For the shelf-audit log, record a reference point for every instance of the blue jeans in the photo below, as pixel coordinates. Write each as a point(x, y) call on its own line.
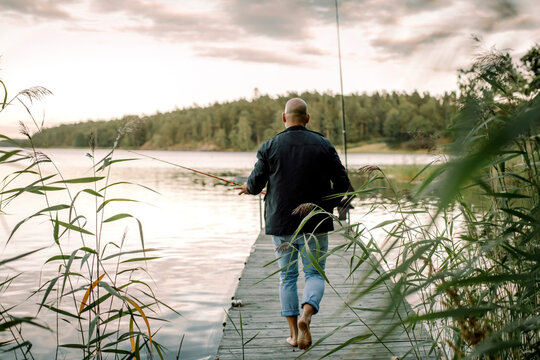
point(288, 261)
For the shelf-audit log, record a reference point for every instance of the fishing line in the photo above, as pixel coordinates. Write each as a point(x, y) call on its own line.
point(189, 169)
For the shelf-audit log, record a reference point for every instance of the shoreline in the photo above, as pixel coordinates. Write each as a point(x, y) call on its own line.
point(372, 148)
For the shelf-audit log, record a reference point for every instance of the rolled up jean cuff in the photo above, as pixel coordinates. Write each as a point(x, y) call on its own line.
point(313, 304)
point(290, 313)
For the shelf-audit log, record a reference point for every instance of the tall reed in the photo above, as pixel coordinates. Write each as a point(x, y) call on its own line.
point(467, 267)
point(99, 293)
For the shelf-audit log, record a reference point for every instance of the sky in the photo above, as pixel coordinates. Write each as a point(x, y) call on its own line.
point(104, 59)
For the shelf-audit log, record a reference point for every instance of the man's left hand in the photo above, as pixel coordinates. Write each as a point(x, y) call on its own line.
point(243, 189)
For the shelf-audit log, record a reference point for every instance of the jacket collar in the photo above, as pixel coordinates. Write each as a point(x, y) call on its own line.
point(295, 127)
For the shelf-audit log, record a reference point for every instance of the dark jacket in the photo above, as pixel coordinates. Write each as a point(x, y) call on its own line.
point(298, 166)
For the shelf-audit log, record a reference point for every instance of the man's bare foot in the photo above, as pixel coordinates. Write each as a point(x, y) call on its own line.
point(304, 335)
point(292, 341)
point(293, 330)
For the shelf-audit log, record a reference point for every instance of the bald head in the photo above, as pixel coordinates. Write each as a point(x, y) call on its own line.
point(295, 113)
point(296, 106)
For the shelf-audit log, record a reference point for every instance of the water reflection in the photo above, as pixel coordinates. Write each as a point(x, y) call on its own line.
point(203, 229)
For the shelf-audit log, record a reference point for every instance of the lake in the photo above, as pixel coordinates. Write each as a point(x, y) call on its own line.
point(203, 229)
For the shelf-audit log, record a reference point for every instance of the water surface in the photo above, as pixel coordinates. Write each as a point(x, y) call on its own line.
point(203, 229)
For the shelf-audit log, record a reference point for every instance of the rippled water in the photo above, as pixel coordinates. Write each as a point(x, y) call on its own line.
point(203, 229)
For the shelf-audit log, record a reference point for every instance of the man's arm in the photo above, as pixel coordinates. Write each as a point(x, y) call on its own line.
point(338, 176)
point(258, 178)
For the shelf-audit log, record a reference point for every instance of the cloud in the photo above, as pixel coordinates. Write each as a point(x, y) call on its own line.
point(38, 9)
point(236, 20)
point(231, 30)
point(243, 29)
point(164, 21)
point(383, 12)
point(311, 50)
point(523, 22)
point(277, 19)
point(391, 12)
point(283, 20)
point(504, 9)
point(405, 46)
point(251, 55)
point(411, 27)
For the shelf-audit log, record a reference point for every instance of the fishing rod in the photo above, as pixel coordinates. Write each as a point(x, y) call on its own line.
point(344, 212)
point(189, 169)
point(341, 83)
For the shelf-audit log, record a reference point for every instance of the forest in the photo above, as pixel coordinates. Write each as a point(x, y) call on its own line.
point(412, 121)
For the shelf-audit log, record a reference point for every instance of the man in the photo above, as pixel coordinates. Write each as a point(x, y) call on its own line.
point(298, 166)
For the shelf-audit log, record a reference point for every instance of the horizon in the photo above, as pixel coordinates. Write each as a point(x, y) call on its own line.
point(104, 60)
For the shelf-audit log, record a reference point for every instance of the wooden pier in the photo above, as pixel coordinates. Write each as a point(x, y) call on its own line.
point(260, 312)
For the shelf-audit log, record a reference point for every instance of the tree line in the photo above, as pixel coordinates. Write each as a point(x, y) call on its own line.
point(409, 120)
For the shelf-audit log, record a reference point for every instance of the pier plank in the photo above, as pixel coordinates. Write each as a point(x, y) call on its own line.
point(260, 313)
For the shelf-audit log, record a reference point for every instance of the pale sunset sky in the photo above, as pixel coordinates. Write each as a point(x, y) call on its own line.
point(103, 59)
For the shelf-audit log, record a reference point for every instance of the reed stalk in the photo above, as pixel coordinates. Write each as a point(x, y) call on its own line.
point(465, 268)
point(106, 306)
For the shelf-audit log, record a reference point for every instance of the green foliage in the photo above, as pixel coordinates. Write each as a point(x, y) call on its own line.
point(5, 97)
point(240, 331)
point(470, 273)
point(398, 118)
point(531, 62)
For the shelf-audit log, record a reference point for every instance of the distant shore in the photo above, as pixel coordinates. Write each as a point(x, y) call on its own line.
point(367, 148)
point(381, 148)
